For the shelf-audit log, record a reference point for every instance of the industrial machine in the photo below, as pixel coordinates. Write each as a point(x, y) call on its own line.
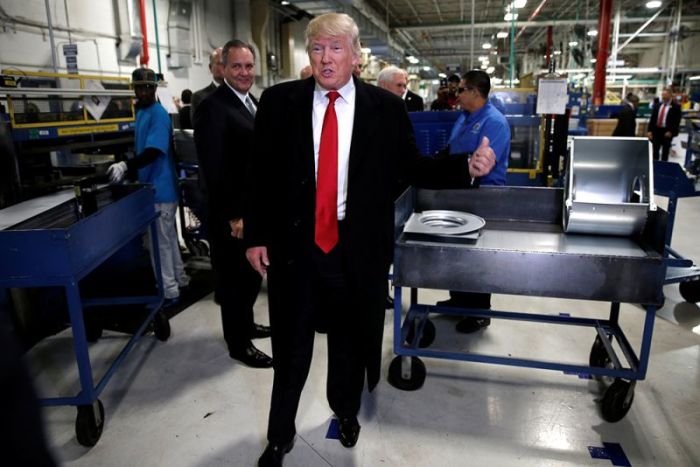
point(610, 248)
point(61, 128)
point(432, 130)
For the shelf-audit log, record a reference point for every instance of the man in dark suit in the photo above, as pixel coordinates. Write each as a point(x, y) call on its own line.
point(395, 80)
point(664, 124)
point(414, 102)
point(329, 153)
point(216, 68)
point(224, 139)
point(627, 117)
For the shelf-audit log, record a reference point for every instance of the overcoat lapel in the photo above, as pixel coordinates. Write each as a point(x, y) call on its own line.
point(365, 123)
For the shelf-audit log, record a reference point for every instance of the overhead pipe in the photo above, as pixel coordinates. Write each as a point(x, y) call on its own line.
point(144, 34)
point(603, 45)
point(51, 40)
point(550, 43)
point(155, 27)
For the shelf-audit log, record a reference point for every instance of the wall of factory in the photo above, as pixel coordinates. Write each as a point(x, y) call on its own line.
point(94, 27)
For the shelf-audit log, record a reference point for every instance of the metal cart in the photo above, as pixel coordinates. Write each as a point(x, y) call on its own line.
point(62, 246)
point(671, 181)
point(523, 251)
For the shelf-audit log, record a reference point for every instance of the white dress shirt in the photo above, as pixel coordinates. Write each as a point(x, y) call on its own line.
point(345, 112)
point(241, 96)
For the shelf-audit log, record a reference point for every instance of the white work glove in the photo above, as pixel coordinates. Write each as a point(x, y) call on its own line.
point(116, 172)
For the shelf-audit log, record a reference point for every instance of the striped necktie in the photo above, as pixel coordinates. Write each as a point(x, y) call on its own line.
point(249, 105)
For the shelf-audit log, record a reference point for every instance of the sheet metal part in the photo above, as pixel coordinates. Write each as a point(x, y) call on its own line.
point(443, 222)
point(524, 251)
point(609, 186)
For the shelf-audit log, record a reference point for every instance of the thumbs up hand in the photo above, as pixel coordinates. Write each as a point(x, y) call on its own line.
point(483, 159)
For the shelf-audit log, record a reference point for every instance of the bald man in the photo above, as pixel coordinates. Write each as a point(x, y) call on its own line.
point(216, 68)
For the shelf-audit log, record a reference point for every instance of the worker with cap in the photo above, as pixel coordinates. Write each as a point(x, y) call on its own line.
point(155, 166)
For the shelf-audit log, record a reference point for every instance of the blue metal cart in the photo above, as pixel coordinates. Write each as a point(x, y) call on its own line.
point(671, 181)
point(523, 251)
point(60, 247)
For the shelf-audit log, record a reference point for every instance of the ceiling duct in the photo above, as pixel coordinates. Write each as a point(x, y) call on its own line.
point(179, 33)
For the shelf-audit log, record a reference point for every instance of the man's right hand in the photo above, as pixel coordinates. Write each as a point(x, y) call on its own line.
point(257, 257)
point(650, 135)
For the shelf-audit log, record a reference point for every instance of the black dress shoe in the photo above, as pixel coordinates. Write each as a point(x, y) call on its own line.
point(273, 454)
point(469, 324)
point(259, 331)
point(251, 356)
point(389, 303)
point(349, 431)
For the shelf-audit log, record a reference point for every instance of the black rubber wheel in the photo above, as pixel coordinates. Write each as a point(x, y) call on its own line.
point(93, 328)
point(613, 405)
point(599, 356)
point(426, 338)
point(161, 326)
point(88, 428)
point(407, 384)
point(197, 248)
point(690, 290)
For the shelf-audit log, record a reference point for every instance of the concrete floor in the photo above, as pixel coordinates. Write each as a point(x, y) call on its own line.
point(186, 403)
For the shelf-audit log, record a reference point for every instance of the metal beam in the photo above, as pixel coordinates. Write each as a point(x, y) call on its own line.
point(636, 33)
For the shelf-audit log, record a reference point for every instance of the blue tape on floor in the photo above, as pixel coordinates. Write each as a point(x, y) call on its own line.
point(612, 451)
point(333, 432)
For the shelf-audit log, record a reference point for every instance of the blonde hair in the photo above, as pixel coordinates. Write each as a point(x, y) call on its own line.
point(334, 25)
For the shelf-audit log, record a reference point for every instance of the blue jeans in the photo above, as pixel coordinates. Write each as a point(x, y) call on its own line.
point(171, 267)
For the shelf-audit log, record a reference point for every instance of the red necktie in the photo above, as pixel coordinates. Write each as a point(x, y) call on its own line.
point(662, 114)
point(326, 233)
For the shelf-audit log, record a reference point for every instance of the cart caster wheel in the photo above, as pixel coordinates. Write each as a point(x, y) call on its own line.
point(426, 338)
point(93, 329)
point(690, 290)
point(599, 356)
point(615, 403)
point(198, 248)
point(414, 378)
point(88, 424)
point(161, 326)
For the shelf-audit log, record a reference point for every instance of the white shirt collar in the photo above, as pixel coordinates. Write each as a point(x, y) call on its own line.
point(242, 97)
point(345, 91)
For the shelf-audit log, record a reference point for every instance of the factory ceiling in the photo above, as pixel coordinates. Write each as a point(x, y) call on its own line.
point(441, 34)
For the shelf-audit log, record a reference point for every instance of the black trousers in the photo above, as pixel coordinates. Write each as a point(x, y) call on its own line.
point(323, 296)
point(659, 141)
point(237, 288)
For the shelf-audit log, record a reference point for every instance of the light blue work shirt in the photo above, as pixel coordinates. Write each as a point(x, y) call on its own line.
point(154, 130)
point(468, 131)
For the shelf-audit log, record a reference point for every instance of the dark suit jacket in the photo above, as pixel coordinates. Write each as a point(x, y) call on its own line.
point(626, 121)
point(199, 96)
point(673, 119)
point(223, 135)
point(414, 102)
point(281, 196)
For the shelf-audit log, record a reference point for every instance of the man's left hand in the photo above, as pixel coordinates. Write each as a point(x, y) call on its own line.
point(483, 160)
point(668, 134)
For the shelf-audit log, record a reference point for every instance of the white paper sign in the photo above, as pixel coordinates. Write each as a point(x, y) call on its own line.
point(552, 96)
point(95, 105)
point(166, 99)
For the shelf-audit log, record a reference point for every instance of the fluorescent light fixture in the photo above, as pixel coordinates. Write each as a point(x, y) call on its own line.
point(653, 4)
point(519, 3)
point(694, 78)
point(573, 43)
point(442, 75)
point(497, 80)
point(366, 50)
point(510, 17)
point(426, 68)
point(484, 66)
point(593, 60)
point(501, 35)
point(592, 32)
point(490, 70)
point(284, 2)
point(486, 45)
point(483, 58)
point(557, 52)
point(618, 77)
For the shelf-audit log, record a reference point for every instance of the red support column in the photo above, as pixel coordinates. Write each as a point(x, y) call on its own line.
point(144, 30)
point(602, 58)
point(550, 42)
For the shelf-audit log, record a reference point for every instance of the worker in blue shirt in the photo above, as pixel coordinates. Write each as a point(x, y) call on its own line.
point(155, 166)
point(479, 118)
